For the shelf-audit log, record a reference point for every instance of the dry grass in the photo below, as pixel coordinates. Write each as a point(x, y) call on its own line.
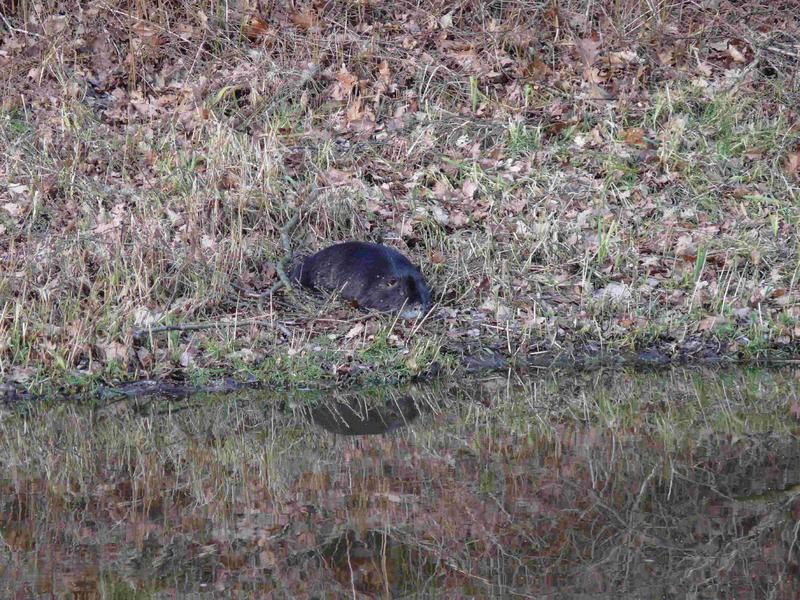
point(630, 189)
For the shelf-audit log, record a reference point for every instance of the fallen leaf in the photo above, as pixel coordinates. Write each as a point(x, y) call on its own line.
point(502, 313)
point(356, 330)
point(345, 82)
point(255, 28)
point(710, 323)
point(614, 292)
point(588, 50)
point(623, 57)
point(405, 229)
point(469, 188)
point(305, 19)
point(113, 351)
point(145, 357)
point(187, 357)
point(18, 189)
point(268, 559)
point(665, 56)
point(458, 218)
point(685, 248)
point(13, 208)
point(147, 34)
point(704, 68)
point(440, 215)
point(634, 136)
point(21, 374)
point(719, 46)
point(735, 54)
point(335, 177)
point(54, 25)
point(793, 164)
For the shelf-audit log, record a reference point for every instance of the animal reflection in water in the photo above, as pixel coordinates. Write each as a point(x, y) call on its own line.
point(355, 417)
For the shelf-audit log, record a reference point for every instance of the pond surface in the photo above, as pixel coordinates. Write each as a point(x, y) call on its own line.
point(609, 483)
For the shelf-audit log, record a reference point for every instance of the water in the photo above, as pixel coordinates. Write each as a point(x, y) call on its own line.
point(609, 484)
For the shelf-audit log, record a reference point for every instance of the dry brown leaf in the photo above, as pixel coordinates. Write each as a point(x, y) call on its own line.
point(356, 330)
point(634, 136)
point(384, 71)
point(255, 28)
point(113, 351)
point(710, 323)
point(268, 559)
point(55, 25)
point(305, 19)
point(147, 34)
point(469, 188)
point(440, 215)
point(18, 189)
point(686, 248)
point(458, 218)
point(335, 177)
point(145, 357)
point(345, 82)
point(502, 313)
point(14, 209)
point(793, 164)
point(588, 49)
point(21, 374)
point(405, 229)
point(735, 54)
point(623, 57)
point(614, 292)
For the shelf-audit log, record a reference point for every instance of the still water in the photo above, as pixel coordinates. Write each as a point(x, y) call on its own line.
point(666, 484)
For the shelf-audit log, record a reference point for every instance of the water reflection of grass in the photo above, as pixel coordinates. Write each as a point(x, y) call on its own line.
point(592, 482)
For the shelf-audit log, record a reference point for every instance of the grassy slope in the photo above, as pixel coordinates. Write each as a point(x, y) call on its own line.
point(597, 175)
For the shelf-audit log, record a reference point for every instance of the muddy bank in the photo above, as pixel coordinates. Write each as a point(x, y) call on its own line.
point(454, 360)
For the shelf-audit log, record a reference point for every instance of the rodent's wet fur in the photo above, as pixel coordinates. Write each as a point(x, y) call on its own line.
point(373, 275)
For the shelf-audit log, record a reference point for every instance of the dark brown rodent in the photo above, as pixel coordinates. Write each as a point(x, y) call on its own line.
point(373, 275)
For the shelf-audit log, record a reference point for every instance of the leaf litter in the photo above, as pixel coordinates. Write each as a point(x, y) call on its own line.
point(560, 172)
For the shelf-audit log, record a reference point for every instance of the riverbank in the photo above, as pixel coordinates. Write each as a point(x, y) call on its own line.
point(573, 184)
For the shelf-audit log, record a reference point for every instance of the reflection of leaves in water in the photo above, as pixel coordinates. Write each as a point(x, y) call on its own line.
point(582, 483)
point(375, 563)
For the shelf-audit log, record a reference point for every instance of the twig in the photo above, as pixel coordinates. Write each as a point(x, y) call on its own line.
point(140, 333)
point(286, 244)
point(13, 29)
point(283, 263)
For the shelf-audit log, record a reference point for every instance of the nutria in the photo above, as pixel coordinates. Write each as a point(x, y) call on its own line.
point(373, 275)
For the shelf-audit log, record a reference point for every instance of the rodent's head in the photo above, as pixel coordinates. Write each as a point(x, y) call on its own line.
point(395, 285)
point(399, 288)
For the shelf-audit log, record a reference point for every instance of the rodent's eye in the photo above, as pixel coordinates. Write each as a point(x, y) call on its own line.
point(391, 282)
